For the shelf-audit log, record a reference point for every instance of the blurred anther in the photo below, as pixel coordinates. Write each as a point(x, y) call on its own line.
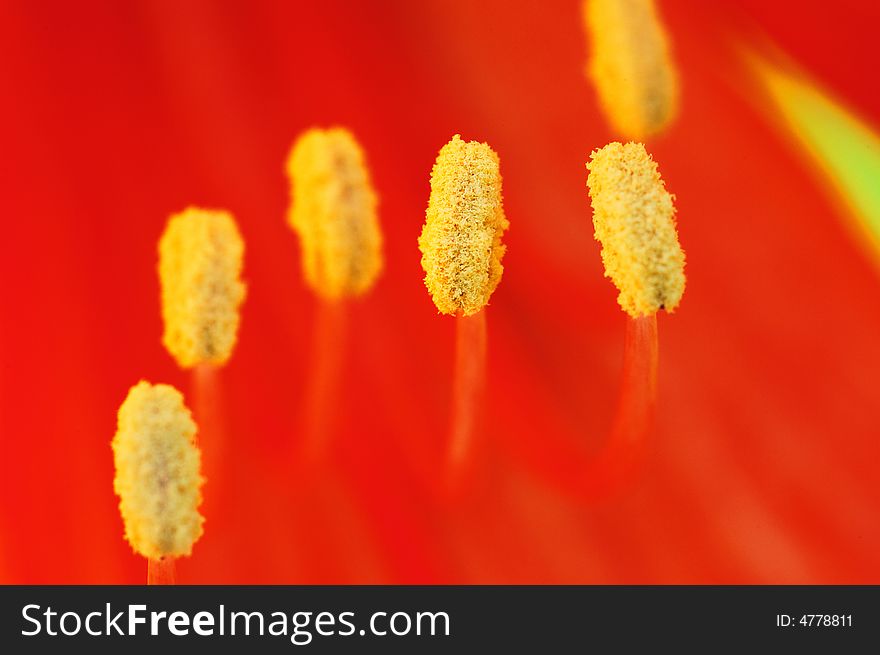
point(631, 66)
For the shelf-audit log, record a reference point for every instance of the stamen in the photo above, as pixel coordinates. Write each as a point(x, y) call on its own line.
point(158, 477)
point(200, 262)
point(631, 66)
point(634, 219)
point(461, 240)
point(333, 210)
point(461, 256)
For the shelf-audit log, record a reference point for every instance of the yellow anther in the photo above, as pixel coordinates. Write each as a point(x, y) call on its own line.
point(157, 472)
point(333, 210)
point(200, 262)
point(461, 240)
point(631, 66)
point(634, 219)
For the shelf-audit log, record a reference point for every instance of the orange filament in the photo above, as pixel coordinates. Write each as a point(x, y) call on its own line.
point(635, 409)
point(218, 457)
point(206, 402)
point(161, 571)
point(325, 376)
point(208, 412)
point(468, 387)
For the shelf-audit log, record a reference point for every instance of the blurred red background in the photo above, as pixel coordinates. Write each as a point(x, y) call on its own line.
point(763, 464)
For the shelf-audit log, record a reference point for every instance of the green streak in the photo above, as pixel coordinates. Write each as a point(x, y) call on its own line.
point(846, 147)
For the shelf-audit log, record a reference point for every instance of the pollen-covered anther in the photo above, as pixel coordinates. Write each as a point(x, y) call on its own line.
point(158, 477)
point(333, 210)
point(634, 220)
point(461, 239)
point(631, 66)
point(200, 263)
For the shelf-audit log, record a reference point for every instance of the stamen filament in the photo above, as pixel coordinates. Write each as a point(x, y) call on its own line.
point(161, 571)
point(204, 387)
point(331, 330)
point(635, 409)
point(207, 399)
point(468, 386)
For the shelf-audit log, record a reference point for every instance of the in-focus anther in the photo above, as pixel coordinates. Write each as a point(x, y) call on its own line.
point(634, 220)
point(461, 239)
